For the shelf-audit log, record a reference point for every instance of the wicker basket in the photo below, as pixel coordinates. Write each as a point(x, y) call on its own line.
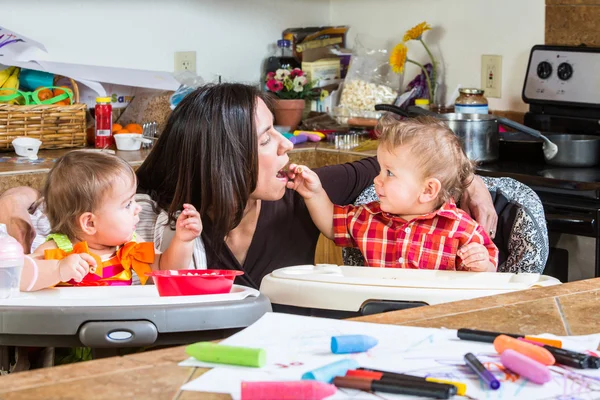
point(56, 126)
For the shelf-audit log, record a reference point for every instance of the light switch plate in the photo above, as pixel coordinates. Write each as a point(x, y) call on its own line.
point(491, 75)
point(185, 61)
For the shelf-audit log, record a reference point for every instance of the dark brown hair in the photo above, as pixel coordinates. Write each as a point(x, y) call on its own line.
point(436, 148)
point(77, 184)
point(207, 156)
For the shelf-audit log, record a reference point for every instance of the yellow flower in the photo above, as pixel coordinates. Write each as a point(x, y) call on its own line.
point(416, 31)
point(398, 58)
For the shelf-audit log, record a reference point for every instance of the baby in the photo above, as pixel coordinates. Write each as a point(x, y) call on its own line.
point(415, 223)
point(89, 200)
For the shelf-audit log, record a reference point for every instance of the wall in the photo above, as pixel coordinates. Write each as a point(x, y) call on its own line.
point(231, 37)
point(463, 31)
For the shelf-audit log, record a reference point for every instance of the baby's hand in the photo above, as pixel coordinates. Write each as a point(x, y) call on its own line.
point(189, 224)
point(475, 257)
point(75, 266)
point(304, 181)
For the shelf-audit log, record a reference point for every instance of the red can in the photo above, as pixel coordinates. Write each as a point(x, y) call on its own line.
point(103, 113)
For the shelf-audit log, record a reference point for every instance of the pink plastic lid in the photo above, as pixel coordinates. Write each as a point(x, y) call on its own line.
point(10, 248)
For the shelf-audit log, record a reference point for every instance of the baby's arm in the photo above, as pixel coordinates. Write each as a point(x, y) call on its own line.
point(320, 207)
point(179, 253)
point(477, 256)
point(40, 274)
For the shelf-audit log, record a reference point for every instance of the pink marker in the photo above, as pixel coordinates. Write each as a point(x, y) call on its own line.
point(526, 367)
point(292, 390)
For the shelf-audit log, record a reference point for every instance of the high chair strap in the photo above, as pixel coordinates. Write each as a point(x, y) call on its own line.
point(62, 241)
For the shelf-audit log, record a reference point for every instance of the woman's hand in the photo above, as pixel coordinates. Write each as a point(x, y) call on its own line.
point(304, 181)
point(476, 258)
point(477, 202)
point(189, 224)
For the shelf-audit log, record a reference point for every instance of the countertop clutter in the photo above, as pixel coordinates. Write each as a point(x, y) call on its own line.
point(561, 310)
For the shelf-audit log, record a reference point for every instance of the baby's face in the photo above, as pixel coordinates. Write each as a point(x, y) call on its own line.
point(399, 183)
point(117, 216)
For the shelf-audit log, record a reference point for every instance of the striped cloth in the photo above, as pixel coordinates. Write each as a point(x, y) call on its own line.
point(427, 242)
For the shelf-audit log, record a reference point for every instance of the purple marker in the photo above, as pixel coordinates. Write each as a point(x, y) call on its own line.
point(481, 371)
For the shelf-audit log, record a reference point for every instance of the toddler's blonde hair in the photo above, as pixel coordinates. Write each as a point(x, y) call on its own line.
point(436, 149)
point(78, 183)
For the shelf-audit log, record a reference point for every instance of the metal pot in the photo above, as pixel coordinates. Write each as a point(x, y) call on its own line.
point(477, 132)
point(480, 137)
point(575, 150)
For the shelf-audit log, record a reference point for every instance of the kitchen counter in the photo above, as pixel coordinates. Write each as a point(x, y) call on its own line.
point(567, 309)
point(18, 171)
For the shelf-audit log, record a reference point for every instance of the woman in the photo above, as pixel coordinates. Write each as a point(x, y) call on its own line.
point(221, 153)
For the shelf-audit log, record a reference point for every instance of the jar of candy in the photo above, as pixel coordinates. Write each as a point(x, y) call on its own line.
point(103, 114)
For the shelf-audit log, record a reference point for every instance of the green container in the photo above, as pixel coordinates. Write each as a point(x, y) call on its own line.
point(221, 354)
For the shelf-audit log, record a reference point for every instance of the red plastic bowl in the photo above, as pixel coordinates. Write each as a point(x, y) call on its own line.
point(192, 282)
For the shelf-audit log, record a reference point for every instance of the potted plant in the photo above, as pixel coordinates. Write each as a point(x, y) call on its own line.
point(291, 88)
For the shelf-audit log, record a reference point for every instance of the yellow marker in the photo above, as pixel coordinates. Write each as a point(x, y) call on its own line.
point(461, 388)
point(549, 342)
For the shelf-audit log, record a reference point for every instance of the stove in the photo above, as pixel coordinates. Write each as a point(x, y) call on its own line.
point(562, 88)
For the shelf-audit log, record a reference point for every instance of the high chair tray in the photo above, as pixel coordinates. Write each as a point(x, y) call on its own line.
point(122, 316)
point(332, 287)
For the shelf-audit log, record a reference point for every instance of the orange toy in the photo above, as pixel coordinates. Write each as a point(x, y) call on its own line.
point(134, 128)
point(45, 94)
point(57, 92)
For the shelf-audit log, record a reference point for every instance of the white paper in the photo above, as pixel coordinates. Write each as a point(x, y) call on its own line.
point(295, 345)
point(14, 46)
point(20, 51)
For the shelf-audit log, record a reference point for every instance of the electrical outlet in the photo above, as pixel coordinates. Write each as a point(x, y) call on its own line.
point(491, 75)
point(185, 61)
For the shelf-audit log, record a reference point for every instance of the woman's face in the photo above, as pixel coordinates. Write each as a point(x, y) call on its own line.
point(272, 156)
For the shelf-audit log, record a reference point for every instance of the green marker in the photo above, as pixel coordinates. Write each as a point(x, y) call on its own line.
point(220, 354)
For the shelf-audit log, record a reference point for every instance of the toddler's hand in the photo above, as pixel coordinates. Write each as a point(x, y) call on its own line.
point(304, 181)
point(475, 257)
point(189, 224)
point(75, 266)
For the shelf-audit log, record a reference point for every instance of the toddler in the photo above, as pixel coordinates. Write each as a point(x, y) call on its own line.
point(89, 201)
point(415, 223)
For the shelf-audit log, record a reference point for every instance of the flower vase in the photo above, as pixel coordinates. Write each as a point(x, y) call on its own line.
point(288, 112)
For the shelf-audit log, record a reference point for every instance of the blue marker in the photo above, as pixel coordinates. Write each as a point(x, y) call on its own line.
point(327, 372)
point(481, 371)
point(352, 343)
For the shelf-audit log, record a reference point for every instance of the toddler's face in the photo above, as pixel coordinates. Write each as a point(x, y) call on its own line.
point(118, 215)
point(399, 184)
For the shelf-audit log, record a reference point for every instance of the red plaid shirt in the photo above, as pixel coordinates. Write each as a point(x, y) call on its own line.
point(427, 242)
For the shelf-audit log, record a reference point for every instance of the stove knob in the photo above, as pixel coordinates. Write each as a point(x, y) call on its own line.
point(544, 69)
point(564, 71)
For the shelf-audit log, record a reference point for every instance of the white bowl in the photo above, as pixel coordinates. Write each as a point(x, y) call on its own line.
point(26, 146)
point(130, 141)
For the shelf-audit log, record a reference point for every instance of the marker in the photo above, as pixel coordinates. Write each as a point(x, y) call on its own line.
point(461, 388)
point(293, 390)
point(540, 354)
point(422, 389)
point(481, 371)
point(327, 372)
point(221, 354)
point(525, 366)
point(351, 343)
point(489, 337)
point(573, 358)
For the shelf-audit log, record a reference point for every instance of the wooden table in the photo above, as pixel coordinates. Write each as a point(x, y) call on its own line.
point(568, 309)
